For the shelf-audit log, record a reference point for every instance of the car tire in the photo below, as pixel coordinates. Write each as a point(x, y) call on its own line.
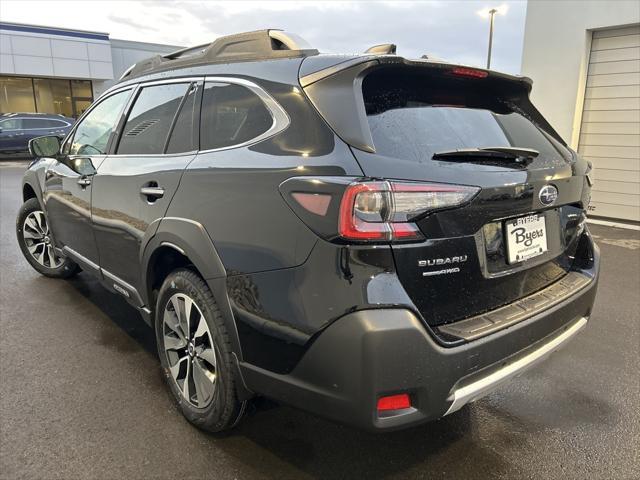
point(195, 353)
point(36, 243)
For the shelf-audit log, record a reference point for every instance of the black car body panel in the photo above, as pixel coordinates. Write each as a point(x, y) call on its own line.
point(371, 353)
point(16, 129)
point(318, 320)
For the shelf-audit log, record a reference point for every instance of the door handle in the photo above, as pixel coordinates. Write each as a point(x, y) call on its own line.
point(153, 192)
point(84, 182)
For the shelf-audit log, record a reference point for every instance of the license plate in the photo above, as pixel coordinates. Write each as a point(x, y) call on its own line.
point(526, 237)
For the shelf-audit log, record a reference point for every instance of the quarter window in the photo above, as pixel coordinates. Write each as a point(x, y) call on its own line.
point(149, 122)
point(231, 115)
point(93, 133)
point(11, 124)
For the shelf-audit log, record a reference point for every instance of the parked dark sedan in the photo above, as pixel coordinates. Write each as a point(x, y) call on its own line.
point(16, 129)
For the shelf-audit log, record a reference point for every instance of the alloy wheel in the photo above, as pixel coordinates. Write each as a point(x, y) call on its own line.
point(190, 350)
point(37, 238)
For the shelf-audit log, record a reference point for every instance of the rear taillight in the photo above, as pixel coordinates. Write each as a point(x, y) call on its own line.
point(469, 72)
point(384, 210)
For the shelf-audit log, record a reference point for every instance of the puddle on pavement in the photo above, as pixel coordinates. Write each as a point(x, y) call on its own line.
point(629, 243)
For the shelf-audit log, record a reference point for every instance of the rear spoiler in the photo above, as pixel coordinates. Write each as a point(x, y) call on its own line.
point(335, 89)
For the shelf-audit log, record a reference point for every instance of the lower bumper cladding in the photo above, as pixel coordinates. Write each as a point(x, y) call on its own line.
point(486, 384)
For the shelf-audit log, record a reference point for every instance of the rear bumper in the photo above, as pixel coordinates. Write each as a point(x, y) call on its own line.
point(489, 381)
point(373, 353)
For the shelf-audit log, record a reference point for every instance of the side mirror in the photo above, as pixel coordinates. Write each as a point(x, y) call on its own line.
point(48, 146)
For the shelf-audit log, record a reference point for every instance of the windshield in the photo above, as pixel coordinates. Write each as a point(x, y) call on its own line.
point(413, 117)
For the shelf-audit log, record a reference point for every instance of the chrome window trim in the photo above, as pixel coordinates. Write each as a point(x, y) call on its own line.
point(280, 117)
point(154, 155)
point(127, 71)
point(146, 83)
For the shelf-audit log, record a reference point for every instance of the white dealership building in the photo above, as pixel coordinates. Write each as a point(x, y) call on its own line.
point(584, 59)
point(57, 70)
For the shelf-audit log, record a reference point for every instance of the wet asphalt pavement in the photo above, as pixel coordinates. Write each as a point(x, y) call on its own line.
point(82, 396)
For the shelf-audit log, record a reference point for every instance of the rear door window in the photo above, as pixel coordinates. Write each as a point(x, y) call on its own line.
point(184, 134)
point(411, 118)
point(231, 115)
point(149, 121)
point(44, 123)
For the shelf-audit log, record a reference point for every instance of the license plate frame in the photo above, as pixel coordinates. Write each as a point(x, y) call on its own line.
point(526, 237)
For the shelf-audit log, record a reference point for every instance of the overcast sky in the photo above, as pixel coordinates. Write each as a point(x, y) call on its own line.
point(447, 29)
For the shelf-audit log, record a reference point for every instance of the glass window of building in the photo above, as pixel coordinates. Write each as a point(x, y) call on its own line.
point(16, 95)
point(81, 88)
point(53, 96)
point(45, 95)
point(80, 106)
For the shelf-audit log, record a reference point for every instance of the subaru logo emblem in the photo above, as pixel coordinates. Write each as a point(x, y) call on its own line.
point(548, 194)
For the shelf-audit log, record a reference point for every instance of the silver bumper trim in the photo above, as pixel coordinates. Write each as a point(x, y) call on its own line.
point(486, 385)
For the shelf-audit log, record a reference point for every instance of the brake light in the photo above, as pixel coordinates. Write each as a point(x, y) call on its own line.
point(469, 72)
point(384, 211)
point(394, 402)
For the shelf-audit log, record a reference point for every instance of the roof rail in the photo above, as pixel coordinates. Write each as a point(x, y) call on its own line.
point(186, 51)
point(248, 46)
point(382, 49)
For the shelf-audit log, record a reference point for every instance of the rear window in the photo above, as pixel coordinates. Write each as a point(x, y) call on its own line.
point(411, 117)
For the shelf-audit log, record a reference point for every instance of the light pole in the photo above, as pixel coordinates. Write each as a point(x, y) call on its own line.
point(491, 13)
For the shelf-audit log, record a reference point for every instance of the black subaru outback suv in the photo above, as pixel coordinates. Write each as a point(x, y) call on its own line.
point(375, 239)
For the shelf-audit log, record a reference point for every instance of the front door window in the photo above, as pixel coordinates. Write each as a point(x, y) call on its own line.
point(92, 135)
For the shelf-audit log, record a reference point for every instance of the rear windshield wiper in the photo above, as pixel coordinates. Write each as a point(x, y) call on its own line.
point(514, 154)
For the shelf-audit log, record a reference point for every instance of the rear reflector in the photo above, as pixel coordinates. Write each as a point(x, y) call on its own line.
point(317, 203)
point(469, 72)
point(394, 402)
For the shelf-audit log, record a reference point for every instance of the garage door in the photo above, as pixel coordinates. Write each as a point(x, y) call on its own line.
point(610, 131)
